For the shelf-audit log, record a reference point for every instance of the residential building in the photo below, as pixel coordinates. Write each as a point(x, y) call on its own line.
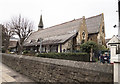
point(13, 45)
point(114, 41)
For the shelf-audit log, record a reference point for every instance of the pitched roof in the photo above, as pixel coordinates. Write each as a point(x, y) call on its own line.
point(58, 33)
point(52, 40)
point(93, 24)
point(114, 39)
point(107, 40)
point(61, 32)
point(14, 39)
point(12, 44)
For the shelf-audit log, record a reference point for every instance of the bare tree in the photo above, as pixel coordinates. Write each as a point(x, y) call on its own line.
point(23, 28)
point(6, 34)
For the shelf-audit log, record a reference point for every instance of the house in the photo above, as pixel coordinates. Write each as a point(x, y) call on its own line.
point(67, 36)
point(114, 45)
point(13, 45)
point(107, 40)
point(114, 41)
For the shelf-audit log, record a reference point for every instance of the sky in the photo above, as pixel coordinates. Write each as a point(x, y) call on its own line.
point(59, 11)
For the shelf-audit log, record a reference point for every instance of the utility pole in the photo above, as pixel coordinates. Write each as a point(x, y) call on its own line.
point(119, 19)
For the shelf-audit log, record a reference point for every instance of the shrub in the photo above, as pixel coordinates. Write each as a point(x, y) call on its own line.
point(3, 50)
point(25, 51)
point(102, 48)
point(66, 56)
point(86, 47)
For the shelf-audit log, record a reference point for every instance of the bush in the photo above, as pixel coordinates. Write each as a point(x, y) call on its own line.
point(102, 48)
point(86, 47)
point(66, 56)
point(3, 50)
point(25, 51)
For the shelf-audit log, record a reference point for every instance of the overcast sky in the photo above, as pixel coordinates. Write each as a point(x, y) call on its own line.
point(59, 11)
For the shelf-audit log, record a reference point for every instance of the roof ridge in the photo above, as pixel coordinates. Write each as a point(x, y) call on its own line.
point(74, 20)
point(64, 23)
point(94, 16)
point(68, 22)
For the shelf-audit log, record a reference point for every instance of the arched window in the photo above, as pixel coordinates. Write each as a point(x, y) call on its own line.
point(83, 34)
point(82, 41)
point(103, 29)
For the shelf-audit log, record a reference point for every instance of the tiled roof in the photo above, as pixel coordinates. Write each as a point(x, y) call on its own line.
point(51, 40)
point(61, 32)
point(93, 24)
point(56, 34)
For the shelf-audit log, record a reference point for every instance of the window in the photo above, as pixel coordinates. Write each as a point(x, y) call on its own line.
point(103, 29)
point(83, 34)
point(82, 41)
point(63, 50)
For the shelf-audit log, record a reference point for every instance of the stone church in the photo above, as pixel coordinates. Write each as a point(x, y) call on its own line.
point(67, 36)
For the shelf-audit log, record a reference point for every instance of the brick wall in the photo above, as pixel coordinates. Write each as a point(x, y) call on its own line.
point(56, 70)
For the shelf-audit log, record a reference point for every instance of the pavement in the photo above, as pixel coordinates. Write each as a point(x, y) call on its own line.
point(9, 75)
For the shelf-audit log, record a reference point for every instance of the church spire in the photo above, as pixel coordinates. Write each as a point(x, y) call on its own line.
point(40, 25)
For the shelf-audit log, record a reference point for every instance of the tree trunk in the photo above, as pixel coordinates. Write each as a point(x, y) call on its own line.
point(20, 48)
point(91, 55)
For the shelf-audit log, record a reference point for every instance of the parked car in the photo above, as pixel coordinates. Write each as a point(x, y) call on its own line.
point(105, 56)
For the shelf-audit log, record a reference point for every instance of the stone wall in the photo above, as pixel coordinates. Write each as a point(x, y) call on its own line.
point(56, 70)
point(93, 37)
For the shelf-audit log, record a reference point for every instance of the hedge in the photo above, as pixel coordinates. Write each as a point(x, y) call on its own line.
point(66, 56)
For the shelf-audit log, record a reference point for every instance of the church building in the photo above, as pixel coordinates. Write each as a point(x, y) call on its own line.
point(67, 36)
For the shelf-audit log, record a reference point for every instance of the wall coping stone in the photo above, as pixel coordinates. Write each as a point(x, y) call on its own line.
point(106, 68)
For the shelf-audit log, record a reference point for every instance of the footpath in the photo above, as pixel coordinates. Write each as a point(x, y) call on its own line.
point(9, 75)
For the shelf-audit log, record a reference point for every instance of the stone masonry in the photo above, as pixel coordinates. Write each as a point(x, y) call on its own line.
point(56, 70)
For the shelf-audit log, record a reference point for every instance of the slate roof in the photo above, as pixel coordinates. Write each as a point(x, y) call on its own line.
point(14, 39)
point(93, 24)
point(12, 44)
point(107, 40)
point(62, 32)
